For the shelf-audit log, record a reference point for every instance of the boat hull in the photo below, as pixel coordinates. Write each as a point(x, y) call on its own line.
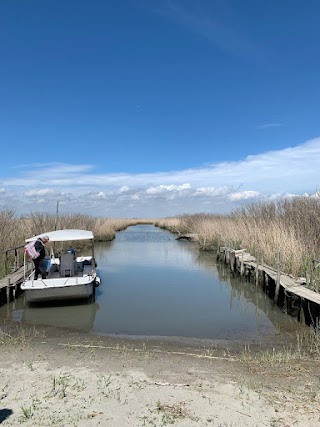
point(60, 293)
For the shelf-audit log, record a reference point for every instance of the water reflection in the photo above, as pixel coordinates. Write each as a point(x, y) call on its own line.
point(247, 294)
point(80, 316)
point(154, 285)
point(75, 317)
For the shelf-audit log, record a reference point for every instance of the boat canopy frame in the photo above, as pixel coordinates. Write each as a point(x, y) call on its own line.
point(67, 235)
point(64, 235)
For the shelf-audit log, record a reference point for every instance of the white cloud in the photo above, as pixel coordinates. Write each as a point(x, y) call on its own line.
point(243, 195)
point(212, 191)
point(167, 188)
point(101, 195)
point(215, 187)
point(124, 189)
point(35, 193)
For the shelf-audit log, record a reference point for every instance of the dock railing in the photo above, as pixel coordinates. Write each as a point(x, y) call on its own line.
point(11, 260)
point(13, 269)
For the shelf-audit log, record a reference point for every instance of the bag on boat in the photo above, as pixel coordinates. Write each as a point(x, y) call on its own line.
point(31, 251)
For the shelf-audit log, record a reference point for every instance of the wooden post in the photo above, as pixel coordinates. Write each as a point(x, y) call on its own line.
point(241, 265)
point(308, 280)
point(266, 284)
point(6, 263)
point(257, 273)
point(276, 294)
point(227, 255)
point(232, 260)
point(15, 264)
point(8, 291)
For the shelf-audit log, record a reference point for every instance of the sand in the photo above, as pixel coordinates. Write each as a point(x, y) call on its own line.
point(54, 378)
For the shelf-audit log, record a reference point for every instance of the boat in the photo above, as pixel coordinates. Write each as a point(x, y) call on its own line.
point(68, 276)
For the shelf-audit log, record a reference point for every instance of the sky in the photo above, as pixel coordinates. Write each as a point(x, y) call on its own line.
point(155, 108)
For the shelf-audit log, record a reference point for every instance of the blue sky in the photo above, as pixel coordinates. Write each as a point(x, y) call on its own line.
point(157, 107)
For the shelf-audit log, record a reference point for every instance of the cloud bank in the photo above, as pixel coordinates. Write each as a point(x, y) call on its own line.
point(217, 187)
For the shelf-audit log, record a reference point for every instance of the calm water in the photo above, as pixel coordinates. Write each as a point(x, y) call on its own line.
point(154, 285)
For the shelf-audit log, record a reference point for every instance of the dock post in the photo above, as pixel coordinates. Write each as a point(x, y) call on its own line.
point(232, 261)
point(227, 255)
point(218, 248)
point(276, 294)
point(8, 290)
point(241, 266)
point(218, 252)
point(308, 280)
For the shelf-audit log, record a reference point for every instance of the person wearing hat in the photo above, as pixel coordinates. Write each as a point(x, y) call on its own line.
point(38, 262)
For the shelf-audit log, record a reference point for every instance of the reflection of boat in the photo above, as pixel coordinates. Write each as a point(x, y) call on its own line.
point(68, 277)
point(73, 316)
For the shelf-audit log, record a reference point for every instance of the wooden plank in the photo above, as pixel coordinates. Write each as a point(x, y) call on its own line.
point(290, 284)
point(13, 278)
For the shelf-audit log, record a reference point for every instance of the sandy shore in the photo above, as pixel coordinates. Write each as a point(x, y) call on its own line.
point(51, 378)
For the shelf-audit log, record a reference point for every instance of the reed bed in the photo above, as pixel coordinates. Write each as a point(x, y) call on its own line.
point(15, 230)
point(289, 228)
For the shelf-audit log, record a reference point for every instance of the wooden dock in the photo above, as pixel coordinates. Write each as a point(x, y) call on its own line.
point(191, 237)
point(287, 292)
point(10, 284)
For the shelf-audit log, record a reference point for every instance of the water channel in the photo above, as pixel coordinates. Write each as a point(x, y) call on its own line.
point(153, 285)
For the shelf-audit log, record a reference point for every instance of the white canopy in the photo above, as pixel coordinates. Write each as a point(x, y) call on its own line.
point(64, 235)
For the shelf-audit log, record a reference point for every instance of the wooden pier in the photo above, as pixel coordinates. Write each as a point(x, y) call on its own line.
point(10, 285)
point(287, 292)
point(11, 260)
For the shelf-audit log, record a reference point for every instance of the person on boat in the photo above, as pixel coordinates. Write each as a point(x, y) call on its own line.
point(39, 261)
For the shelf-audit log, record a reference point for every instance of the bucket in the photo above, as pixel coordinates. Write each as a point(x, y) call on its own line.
point(47, 263)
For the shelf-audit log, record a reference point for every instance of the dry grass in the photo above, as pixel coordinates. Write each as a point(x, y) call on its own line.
point(15, 230)
point(18, 335)
point(290, 227)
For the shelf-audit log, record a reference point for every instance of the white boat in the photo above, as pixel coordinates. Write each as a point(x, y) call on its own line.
point(68, 276)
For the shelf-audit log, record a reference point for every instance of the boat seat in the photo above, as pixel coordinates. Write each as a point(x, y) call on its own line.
point(87, 269)
point(67, 265)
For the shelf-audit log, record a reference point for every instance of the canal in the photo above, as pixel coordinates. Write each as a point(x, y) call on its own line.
point(153, 285)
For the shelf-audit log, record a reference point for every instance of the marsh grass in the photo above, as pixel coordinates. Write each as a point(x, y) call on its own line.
point(18, 335)
point(289, 227)
point(60, 385)
point(306, 348)
point(15, 230)
point(27, 412)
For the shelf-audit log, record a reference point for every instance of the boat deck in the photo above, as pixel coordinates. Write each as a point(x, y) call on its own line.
point(77, 272)
point(54, 272)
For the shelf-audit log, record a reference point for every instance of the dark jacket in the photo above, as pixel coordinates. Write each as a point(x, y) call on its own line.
point(39, 247)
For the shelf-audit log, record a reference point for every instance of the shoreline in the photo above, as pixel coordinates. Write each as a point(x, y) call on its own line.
point(275, 340)
point(51, 377)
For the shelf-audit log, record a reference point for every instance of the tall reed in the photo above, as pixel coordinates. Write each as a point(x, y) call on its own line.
point(289, 226)
point(14, 230)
